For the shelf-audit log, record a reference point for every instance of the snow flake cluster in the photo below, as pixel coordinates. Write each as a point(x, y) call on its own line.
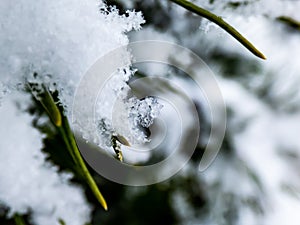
point(144, 111)
point(127, 116)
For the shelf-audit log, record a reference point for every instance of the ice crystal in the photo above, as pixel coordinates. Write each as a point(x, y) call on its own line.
point(142, 112)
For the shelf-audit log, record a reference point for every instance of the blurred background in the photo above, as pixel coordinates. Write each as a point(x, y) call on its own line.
point(255, 178)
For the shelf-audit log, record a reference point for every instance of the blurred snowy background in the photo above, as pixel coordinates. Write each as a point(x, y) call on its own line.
point(254, 180)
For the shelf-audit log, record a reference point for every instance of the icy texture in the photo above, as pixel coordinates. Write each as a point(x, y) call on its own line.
point(27, 182)
point(143, 112)
point(119, 112)
point(54, 43)
point(60, 38)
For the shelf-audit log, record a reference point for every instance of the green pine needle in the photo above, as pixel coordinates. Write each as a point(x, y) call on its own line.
point(68, 136)
point(19, 219)
point(51, 108)
point(290, 22)
point(62, 125)
point(219, 21)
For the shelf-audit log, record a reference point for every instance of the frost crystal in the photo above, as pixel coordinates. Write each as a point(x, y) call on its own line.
point(118, 112)
point(142, 112)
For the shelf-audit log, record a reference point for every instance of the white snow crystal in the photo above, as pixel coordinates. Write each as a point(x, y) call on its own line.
point(126, 115)
point(143, 112)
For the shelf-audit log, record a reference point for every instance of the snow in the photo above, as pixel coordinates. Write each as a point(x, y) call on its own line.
point(58, 41)
point(60, 38)
point(143, 112)
point(27, 182)
point(64, 38)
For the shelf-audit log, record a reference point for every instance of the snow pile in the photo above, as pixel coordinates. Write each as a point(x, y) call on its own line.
point(29, 184)
point(61, 38)
point(59, 41)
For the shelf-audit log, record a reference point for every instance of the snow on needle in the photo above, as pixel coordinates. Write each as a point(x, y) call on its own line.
point(116, 140)
point(45, 98)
